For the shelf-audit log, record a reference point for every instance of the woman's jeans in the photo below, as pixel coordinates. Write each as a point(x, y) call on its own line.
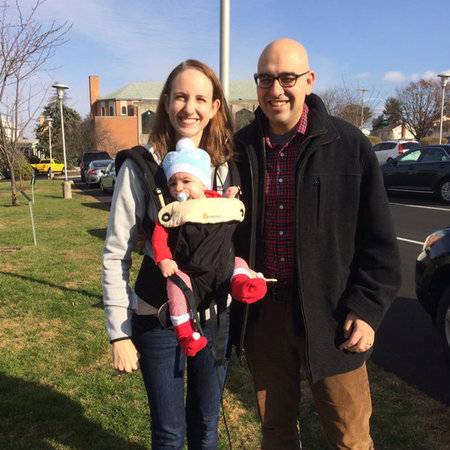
point(163, 365)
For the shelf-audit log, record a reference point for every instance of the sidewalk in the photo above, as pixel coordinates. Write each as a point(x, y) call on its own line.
point(71, 174)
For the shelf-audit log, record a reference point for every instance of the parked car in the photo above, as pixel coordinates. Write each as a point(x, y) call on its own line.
point(433, 282)
point(108, 180)
point(45, 165)
point(87, 158)
point(5, 172)
point(94, 171)
point(422, 170)
point(391, 149)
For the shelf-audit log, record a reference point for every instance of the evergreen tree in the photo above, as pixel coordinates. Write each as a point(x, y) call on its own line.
point(72, 124)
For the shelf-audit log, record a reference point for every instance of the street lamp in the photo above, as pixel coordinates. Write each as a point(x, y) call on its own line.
point(444, 76)
point(362, 106)
point(60, 88)
point(49, 121)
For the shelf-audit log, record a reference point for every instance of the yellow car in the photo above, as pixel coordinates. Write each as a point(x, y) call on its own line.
point(44, 165)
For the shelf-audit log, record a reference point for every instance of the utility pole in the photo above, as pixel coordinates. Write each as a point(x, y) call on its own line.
point(363, 91)
point(225, 46)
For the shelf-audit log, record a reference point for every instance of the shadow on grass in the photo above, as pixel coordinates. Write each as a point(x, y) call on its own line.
point(47, 283)
point(100, 205)
point(98, 232)
point(36, 416)
point(104, 198)
point(57, 197)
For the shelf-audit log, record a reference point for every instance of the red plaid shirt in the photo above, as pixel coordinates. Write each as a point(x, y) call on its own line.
point(279, 219)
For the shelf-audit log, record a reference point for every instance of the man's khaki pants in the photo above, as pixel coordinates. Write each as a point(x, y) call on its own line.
point(275, 354)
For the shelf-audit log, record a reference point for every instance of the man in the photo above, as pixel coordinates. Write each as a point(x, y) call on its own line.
point(317, 219)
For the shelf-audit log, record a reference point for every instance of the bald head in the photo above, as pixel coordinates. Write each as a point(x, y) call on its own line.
point(285, 52)
point(283, 105)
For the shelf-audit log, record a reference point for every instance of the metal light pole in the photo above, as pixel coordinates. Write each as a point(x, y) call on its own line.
point(49, 121)
point(225, 46)
point(363, 91)
point(444, 78)
point(67, 193)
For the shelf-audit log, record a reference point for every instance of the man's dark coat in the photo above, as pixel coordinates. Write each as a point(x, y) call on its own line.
point(346, 252)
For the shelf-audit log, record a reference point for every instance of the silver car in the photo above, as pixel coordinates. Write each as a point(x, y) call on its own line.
point(108, 180)
point(94, 171)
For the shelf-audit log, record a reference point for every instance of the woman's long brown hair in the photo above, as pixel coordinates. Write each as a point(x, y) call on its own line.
point(217, 137)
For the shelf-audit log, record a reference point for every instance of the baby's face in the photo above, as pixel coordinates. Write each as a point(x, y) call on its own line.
point(187, 183)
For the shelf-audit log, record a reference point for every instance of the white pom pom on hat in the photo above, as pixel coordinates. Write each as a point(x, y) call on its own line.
point(187, 158)
point(184, 144)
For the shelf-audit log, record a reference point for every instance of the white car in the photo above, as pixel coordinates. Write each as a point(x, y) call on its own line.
point(391, 149)
point(108, 180)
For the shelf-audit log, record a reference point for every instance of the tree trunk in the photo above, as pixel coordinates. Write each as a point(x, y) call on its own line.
point(14, 199)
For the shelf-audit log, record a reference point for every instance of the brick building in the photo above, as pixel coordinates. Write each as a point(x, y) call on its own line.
point(123, 118)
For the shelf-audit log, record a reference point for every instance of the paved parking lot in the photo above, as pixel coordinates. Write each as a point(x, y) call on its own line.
point(407, 343)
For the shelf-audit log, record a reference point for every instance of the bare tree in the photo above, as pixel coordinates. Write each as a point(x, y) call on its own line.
point(25, 47)
point(349, 104)
point(421, 106)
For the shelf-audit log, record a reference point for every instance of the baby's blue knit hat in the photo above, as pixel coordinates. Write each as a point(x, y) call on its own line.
point(189, 159)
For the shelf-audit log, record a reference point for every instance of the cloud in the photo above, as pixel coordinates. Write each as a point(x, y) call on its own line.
point(394, 77)
point(428, 75)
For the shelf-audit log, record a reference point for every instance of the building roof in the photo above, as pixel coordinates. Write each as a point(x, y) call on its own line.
point(150, 90)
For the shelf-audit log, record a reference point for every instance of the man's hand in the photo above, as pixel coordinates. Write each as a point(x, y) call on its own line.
point(125, 356)
point(168, 267)
point(359, 334)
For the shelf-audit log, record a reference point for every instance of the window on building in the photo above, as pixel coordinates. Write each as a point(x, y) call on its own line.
point(111, 110)
point(124, 110)
point(147, 120)
point(103, 111)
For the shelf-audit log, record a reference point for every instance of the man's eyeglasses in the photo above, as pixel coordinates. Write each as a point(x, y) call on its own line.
point(286, 80)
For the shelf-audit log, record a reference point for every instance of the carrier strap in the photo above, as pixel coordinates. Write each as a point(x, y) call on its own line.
point(219, 318)
point(154, 176)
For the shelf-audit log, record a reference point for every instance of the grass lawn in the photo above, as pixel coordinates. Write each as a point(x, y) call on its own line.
point(57, 386)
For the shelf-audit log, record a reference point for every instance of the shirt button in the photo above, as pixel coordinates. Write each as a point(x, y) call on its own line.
point(281, 233)
point(280, 180)
point(281, 207)
point(282, 259)
point(281, 154)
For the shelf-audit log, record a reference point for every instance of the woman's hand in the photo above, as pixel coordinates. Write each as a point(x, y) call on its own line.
point(232, 191)
point(168, 267)
point(125, 356)
point(141, 240)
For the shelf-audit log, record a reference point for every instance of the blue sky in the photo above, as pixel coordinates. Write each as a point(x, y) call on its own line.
point(376, 45)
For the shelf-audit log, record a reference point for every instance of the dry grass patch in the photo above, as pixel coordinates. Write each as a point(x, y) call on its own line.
point(7, 250)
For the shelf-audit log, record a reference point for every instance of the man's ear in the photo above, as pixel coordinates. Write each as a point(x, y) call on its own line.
point(310, 81)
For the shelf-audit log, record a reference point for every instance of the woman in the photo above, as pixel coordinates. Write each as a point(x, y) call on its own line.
point(191, 105)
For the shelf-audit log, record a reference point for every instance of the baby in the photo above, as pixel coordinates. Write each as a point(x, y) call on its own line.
point(188, 171)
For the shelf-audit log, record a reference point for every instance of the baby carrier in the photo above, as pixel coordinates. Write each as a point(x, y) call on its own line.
point(201, 243)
